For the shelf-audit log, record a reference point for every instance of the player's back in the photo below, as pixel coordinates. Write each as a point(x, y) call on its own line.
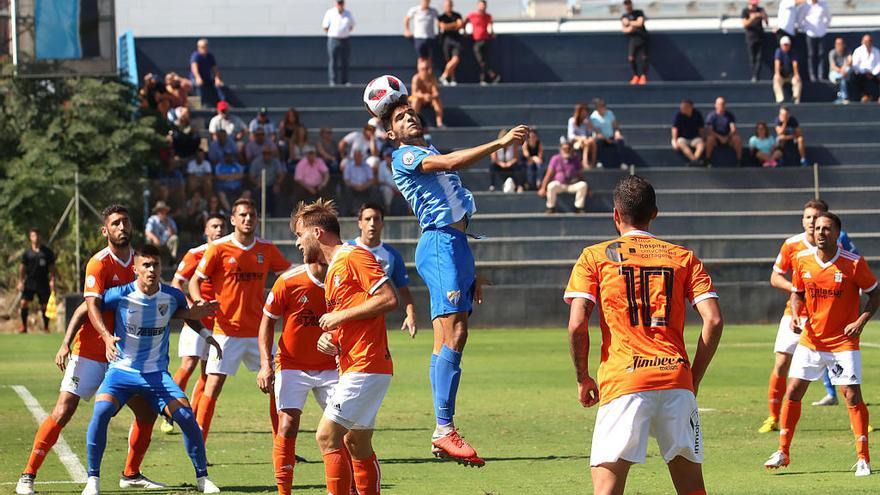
point(103, 271)
point(187, 268)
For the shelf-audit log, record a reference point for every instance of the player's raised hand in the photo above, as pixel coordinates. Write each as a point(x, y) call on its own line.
point(409, 324)
point(515, 136)
point(326, 345)
point(61, 357)
point(588, 392)
point(266, 378)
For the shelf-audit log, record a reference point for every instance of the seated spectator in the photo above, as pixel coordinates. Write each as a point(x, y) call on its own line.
point(219, 146)
point(580, 135)
point(311, 176)
point(205, 75)
point(262, 121)
point(359, 180)
point(385, 180)
point(185, 139)
point(785, 71)
point(687, 133)
point(329, 152)
point(763, 146)
point(286, 128)
point(215, 207)
point(507, 164)
point(533, 155)
point(362, 140)
point(721, 130)
point(178, 90)
point(274, 176)
point(789, 134)
point(564, 175)
point(426, 91)
point(171, 183)
point(200, 174)
point(161, 229)
point(297, 144)
point(233, 125)
point(228, 175)
point(154, 95)
point(866, 69)
point(258, 144)
point(606, 131)
point(195, 205)
point(839, 63)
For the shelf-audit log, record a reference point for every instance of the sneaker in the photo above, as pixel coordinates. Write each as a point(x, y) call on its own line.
point(754, 79)
point(484, 83)
point(443, 80)
point(643, 80)
point(579, 210)
point(453, 83)
point(25, 485)
point(769, 424)
point(624, 166)
point(93, 486)
point(777, 460)
point(452, 446)
point(167, 427)
point(804, 162)
point(491, 188)
point(770, 164)
point(862, 467)
point(828, 400)
point(509, 185)
point(205, 485)
point(22, 329)
point(548, 211)
point(634, 80)
point(600, 165)
point(139, 481)
point(496, 79)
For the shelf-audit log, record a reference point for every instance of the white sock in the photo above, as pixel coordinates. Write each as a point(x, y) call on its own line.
point(443, 430)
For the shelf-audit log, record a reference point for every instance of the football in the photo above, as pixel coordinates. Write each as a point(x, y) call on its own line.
point(382, 92)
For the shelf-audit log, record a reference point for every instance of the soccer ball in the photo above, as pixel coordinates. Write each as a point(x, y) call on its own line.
point(383, 92)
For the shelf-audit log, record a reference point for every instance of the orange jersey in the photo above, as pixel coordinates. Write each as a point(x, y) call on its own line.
point(352, 277)
point(187, 268)
point(238, 274)
point(298, 297)
point(103, 272)
point(787, 253)
point(641, 286)
point(831, 293)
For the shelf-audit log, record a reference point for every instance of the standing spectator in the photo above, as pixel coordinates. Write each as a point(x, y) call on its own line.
point(482, 32)
point(580, 134)
point(359, 180)
point(195, 205)
point(161, 229)
point(286, 129)
point(785, 70)
point(426, 91)
point(564, 175)
point(230, 123)
point(256, 146)
point(787, 18)
point(721, 131)
point(206, 75)
point(507, 163)
point(763, 147)
point(451, 23)
point(262, 121)
point(687, 133)
point(36, 277)
point(311, 176)
point(633, 26)
point(362, 140)
point(533, 155)
point(606, 131)
point(788, 134)
point(839, 63)
point(424, 29)
point(338, 24)
point(866, 69)
point(268, 161)
point(219, 146)
point(815, 19)
point(178, 90)
point(185, 139)
point(199, 174)
point(754, 20)
point(227, 181)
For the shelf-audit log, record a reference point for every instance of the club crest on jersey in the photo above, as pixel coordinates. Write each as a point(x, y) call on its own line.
point(453, 295)
point(838, 277)
point(163, 308)
point(408, 158)
point(90, 281)
point(260, 258)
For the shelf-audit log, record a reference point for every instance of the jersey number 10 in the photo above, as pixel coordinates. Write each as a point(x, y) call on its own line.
point(639, 299)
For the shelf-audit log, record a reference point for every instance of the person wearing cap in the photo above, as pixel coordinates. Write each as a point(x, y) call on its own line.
point(424, 29)
point(785, 71)
point(754, 19)
point(258, 143)
point(311, 176)
point(263, 121)
point(815, 19)
point(230, 123)
point(866, 69)
point(338, 24)
point(275, 170)
point(161, 229)
point(363, 140)
point(205, 74)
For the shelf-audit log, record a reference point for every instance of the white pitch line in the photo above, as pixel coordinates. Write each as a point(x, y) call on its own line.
point(68, 458)
point(769, 345)
point(43, 482)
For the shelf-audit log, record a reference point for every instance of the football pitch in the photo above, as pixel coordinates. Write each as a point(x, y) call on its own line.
point(517, 405)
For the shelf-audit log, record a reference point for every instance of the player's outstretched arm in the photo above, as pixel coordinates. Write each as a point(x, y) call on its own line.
point(579, 344)
point(383, 300)
point(710, 336)
point(464, 158)
point(266, 375)
point(73, 326)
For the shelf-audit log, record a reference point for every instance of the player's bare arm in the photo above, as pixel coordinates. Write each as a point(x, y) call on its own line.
point(797, 301)
point(381, 302)
point(198, 310)
point(710, 336)
point(409, 323)
point(579, 343)
point(94, 309)
point(778, 281)
point(266, 375)
point(855, 328)
point(460, 159)
point(76, 320)
point(195, 290)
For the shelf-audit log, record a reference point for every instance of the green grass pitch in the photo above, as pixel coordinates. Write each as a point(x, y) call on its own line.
point(517, 405)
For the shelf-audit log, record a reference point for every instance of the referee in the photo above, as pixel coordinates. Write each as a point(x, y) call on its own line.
point(36, 276)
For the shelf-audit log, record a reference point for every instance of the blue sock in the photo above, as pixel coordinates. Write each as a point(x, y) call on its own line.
point(829, 388)
point(96, 436)
point(432, 376)
point(192, 439)
point(446, 378)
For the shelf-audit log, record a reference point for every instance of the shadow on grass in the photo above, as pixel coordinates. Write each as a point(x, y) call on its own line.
point(425, 460)
point(304, 431)
point(803, 473)
point(272, 488)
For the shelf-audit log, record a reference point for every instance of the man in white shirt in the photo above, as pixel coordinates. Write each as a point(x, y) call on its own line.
point(787, 18)
point(815, 19)
point(363, 140)
point(338, 23)
point(231, 124)
point(424, 28)
point(866, 69)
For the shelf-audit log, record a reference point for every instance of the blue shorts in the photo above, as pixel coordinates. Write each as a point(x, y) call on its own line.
point(158, 388)
point(445, 263)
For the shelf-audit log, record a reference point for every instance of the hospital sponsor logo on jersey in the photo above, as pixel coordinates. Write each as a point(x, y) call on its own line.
point(821, 293)
point(453, 296)
point(307, 318)
point(662, 363)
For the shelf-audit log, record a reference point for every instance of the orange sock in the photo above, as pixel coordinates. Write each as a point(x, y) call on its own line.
point(791, 413)
point(206, 413)
point(45, 438)
point(283, 458)
point(338, 472)
point(273, 414)
point(775, 394)
point(197, 393)
point(181, 377)
point(858, 418)
point(367, 475)
point(139, 436)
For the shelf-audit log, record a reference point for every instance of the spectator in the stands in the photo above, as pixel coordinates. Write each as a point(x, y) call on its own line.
point(215, 207)
point(232, 124)
point(161, 229)
point(606, 131)
point(789, 134)
point(482, 32)
point(268, 161)
point(385, 181)
point(327, 148)
point(815, 19)
point(424, 29)
point(262, 121)
point(564, 175)
point(721, 131)
point(533, 156)
point(362, 140)
point(228, 175)
point(185, 139)
point(754, 20)
point(219, 146)
point(200, 174)
point(451, 24)
point(196, 204)
point(840, 64)
point(171, 183)
point(507, 166)
point(359, 178)
point(866, 69)
point(425, 91)
point(311, 176)
point(687, 133)
point(154, 95)
point(763, 147)
point(338, 24)
point(297, 144)
point(633, 26)
point(785, 71)
point(206, 75)
point(788, 16)
point(258, 144)
point(580, 133)
point(286, 128)
point(178, 90)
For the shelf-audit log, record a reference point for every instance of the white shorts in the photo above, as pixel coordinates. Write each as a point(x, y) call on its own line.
point(355, 400)
point(844, 367)
point(786, 340)
point(191, 344)
point(235, 351)
point(292, 387)
point(83, 376)
point(624, 424)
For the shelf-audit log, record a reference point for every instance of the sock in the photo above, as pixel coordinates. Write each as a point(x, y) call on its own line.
point(829, 388)
point(96, 436)
point(197, 393)
point(775, 394)
point(45, 321)
point(858, 418)
point(45, 438)
point(205, 414)
point(337, 472)
point(273, 414)
point(24, 317)
point(192, 439)
point(367, 475)
point(284, 458)
point(432, 376)
point(181, 377)
point(791, 413)
point(139, 436)
point(447, 375)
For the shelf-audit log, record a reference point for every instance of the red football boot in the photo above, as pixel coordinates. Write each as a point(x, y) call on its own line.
point(452, 446)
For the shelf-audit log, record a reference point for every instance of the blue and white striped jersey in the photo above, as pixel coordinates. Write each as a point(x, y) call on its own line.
point(390, 259)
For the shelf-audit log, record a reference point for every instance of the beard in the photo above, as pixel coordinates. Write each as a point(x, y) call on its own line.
point(120, 243)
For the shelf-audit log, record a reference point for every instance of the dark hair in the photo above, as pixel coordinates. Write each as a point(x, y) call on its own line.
point(761, 124)
point(244, 201)
point(816, 204)
point(113, 209)
point(321, 213)
point(33, 230)
point(369, 205)
point(150, 251)
point(216, 216)
point(831, 216)
point(577, 110)
point(389, 112)
point(688, 101)
point(635, 200)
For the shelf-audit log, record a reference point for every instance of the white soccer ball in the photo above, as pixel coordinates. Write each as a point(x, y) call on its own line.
point(383, 92)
